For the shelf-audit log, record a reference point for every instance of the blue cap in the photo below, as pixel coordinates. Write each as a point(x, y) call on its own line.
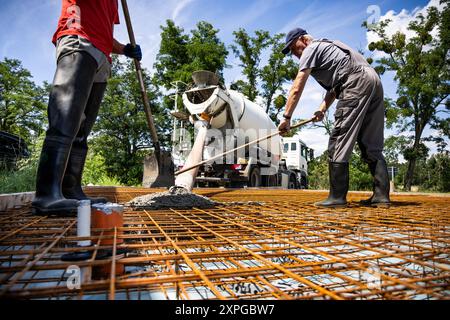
point(291, 37)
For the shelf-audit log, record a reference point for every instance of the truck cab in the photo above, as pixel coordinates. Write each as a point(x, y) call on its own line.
point(296, 156)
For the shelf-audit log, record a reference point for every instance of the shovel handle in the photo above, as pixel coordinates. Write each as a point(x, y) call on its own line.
point(298, 125)
point(137, 64)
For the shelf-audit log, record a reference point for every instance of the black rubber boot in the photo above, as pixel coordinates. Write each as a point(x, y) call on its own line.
point(339, 181)
point(71, 187)
point(372, 167)
point(381, 185)
point(68, 99)
point(73, 177)
point(49, 199)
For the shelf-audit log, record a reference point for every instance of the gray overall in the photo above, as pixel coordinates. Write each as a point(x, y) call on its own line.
point(360, 111)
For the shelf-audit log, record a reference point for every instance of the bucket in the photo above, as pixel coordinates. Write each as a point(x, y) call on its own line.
point(108, 216)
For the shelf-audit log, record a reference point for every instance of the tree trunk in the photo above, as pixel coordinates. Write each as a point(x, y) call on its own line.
point(269, 103)
point(418, 130)
point(410, 174)
point(412, 162)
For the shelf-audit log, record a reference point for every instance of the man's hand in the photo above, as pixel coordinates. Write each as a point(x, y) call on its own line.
point(319, 115)
point(133, 52)
point(284, 127)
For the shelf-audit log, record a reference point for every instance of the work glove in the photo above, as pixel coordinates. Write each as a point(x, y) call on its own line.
point(284, 127)
point(133, 52)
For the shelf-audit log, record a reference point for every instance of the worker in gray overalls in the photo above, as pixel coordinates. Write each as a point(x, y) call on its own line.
point(346, 76)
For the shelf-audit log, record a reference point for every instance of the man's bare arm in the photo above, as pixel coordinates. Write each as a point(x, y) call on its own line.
point(330, 97)
point(117, 47)
point(324, 106)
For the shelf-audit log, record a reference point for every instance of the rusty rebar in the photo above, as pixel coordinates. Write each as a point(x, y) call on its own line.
point(277, 247)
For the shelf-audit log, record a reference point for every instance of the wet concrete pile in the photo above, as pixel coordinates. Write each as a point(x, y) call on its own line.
point(175, 198)
point(180, 198)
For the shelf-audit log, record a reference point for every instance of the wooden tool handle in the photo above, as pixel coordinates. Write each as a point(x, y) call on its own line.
point(148, 110)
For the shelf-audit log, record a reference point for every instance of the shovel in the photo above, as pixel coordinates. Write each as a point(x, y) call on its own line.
point(158, 167)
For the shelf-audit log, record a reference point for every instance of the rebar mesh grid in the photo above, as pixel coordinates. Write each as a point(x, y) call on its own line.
point(279, 246)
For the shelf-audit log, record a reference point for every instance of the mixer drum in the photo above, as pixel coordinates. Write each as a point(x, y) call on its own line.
point(231, 110)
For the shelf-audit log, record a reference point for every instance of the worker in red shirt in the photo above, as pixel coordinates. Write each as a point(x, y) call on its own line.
point(84, 42)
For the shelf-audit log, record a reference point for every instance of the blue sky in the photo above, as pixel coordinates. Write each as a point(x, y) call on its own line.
point(27, 27)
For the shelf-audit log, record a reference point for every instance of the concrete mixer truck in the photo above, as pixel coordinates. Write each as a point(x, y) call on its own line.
point(224, 119)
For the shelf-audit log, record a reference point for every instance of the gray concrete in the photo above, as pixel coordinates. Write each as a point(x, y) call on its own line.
point(15, 200)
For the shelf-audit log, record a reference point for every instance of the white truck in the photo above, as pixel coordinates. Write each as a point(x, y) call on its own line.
point(296, 155)
point(233, 120)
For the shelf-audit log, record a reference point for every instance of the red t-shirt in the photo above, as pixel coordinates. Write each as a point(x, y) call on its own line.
point(91, 19)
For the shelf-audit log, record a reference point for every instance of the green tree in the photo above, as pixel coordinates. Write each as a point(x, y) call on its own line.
point(172, 56)
point(205, 50)
point(181, 54)
point(360, 177)
point(393, 148)
point(274, 75)
point(22, 102)
point(318, 173)
point(248, 49)
point(437, 173)
point(422, 70)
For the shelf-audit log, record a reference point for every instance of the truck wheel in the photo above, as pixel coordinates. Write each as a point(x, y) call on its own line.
point(254, 180)
point(292, 182)
point(271, 181)
point(304, 182)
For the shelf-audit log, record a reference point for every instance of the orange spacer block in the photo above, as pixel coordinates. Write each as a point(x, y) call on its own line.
point(107, 217)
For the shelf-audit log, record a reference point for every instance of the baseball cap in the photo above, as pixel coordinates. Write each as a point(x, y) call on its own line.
point(291, 37)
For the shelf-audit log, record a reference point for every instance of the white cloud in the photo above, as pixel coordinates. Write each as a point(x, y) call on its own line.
point(181, 5)
point(316, 139)
point(400, 21)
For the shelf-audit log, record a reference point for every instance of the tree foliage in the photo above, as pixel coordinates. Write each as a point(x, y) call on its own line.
point(422, 69)
point(393, 148)
point(264, 78)
point(181, 54)
point(22, 102)
point(248, 49)
point(205, 50)
point(172, 56)
point(274, 75)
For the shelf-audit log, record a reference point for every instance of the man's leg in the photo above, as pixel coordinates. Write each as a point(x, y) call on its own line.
point(350, 114)
point(73, 176)
point(71, 87)
point(371, 142)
